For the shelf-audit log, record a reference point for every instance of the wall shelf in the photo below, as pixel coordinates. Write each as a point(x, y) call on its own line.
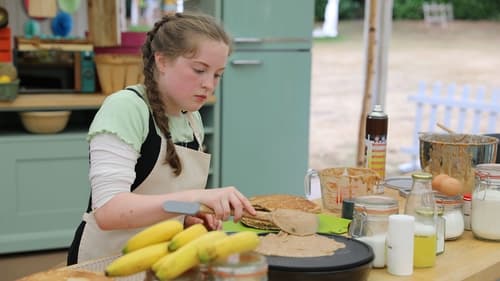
point(25, 102)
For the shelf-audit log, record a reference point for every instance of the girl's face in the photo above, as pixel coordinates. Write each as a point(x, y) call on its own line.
point(185, 83)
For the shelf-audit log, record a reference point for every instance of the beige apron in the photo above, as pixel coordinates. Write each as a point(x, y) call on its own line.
point(97, 243)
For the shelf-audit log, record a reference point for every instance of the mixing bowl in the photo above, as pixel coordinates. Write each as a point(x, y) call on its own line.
point(456, 154)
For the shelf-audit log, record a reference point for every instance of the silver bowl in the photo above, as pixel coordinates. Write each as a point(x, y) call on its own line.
point(456, 154)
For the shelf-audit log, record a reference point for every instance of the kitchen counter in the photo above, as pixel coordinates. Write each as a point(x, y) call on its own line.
point(466, 258)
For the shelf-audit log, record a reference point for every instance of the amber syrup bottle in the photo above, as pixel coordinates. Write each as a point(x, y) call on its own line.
point(376, 140)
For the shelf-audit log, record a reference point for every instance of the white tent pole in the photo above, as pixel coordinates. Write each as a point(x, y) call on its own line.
point(384, 30)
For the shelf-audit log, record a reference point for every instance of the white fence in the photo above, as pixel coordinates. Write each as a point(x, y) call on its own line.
point(463, 109)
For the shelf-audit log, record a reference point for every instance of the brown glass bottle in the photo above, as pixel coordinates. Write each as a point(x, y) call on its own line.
point(376, 140)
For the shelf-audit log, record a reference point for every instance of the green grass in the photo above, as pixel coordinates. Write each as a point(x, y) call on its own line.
point(338, 38)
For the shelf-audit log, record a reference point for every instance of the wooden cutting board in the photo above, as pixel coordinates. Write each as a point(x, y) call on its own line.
point(104, 22)
point(41, 8)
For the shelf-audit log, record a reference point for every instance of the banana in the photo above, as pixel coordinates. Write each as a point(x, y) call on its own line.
point(157, 233)
point(185, 236)
point(233, 244)
point(137, 261)
point(185, 258)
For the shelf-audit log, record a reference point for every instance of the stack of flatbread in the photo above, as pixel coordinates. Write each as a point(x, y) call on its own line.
point(265, 204)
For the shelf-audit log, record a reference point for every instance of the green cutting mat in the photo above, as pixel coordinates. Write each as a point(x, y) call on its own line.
point(328, 224)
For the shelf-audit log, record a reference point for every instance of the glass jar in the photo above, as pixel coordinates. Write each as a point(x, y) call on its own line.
point(467, 210)
point(370, 223)
point(249, 266)
point(485, 219)
point(452, 212)
point(421, 204)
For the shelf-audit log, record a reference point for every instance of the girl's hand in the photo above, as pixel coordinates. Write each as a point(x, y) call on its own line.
point(208, 220)
point(223, 200)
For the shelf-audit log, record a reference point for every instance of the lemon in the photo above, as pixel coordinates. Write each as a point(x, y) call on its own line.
point(4, 79)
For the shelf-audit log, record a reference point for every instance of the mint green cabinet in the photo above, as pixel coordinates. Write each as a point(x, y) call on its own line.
point(44, 190)
point(265, 24)
point(265, 121)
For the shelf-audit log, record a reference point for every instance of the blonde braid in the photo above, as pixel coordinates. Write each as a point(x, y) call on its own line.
point(153, 95)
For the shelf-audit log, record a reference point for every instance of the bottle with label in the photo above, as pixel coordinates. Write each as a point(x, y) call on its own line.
point(421, 204)
point(376, 140)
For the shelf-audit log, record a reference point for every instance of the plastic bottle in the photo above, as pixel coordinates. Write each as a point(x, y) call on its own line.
point(421, 204)
point(376, 140)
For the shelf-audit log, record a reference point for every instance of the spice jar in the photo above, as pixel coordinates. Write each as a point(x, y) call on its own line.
point(249, 266)
point(452, 212)
point(485, 219)
point(370, 223)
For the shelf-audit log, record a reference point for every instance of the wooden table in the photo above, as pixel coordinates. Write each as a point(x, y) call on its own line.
point(466, 258)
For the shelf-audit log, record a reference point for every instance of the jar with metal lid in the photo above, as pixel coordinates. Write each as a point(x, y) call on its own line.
point(485, 219)
point(370, 223)
point(249, 266)
point(452, 212)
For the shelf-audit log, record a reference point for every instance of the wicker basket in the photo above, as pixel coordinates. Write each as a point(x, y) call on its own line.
point(115, 72)
point(8, 91)
point(98, 265)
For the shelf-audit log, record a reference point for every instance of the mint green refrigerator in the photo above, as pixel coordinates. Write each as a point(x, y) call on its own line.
point(265, 96)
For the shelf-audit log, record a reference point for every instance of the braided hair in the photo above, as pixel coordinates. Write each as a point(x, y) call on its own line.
point(174, 35)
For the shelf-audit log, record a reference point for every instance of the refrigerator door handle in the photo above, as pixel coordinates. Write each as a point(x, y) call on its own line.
point(246, 62)
point(247, 40)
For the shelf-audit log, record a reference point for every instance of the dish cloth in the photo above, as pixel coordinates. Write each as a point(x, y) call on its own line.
point(328, 224)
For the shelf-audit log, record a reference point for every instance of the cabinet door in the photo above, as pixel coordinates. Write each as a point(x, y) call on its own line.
point(265, 122)
point(264, 24)
point(44, 191)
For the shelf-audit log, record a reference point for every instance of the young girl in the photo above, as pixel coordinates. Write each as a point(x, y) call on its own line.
point(146, 140)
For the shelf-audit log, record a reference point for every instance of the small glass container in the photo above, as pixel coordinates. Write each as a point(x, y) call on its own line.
point(485, 219)
point(248, 266)
point(467, 210)
point(370, 223)
point(421, 204)
point(440, 231)
point(452, 212)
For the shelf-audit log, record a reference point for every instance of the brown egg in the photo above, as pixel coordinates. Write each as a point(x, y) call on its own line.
point(437, 180)
point(451, 186)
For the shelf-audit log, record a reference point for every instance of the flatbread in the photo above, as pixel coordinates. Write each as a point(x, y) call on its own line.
point(267, 204)
point(285, 245)
point(295, 221)
point(66, 275)
point(284, 201)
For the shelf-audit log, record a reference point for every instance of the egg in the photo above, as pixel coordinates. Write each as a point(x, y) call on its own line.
point(451, 186)
point(437, 180)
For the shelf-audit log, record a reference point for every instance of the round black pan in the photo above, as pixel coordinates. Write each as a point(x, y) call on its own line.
point(355, 254)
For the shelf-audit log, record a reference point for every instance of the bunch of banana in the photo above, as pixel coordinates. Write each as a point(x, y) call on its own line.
point(157, 233)
point(168, 250)
point(137, 261)
point(185, 258)
point(233, 244)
